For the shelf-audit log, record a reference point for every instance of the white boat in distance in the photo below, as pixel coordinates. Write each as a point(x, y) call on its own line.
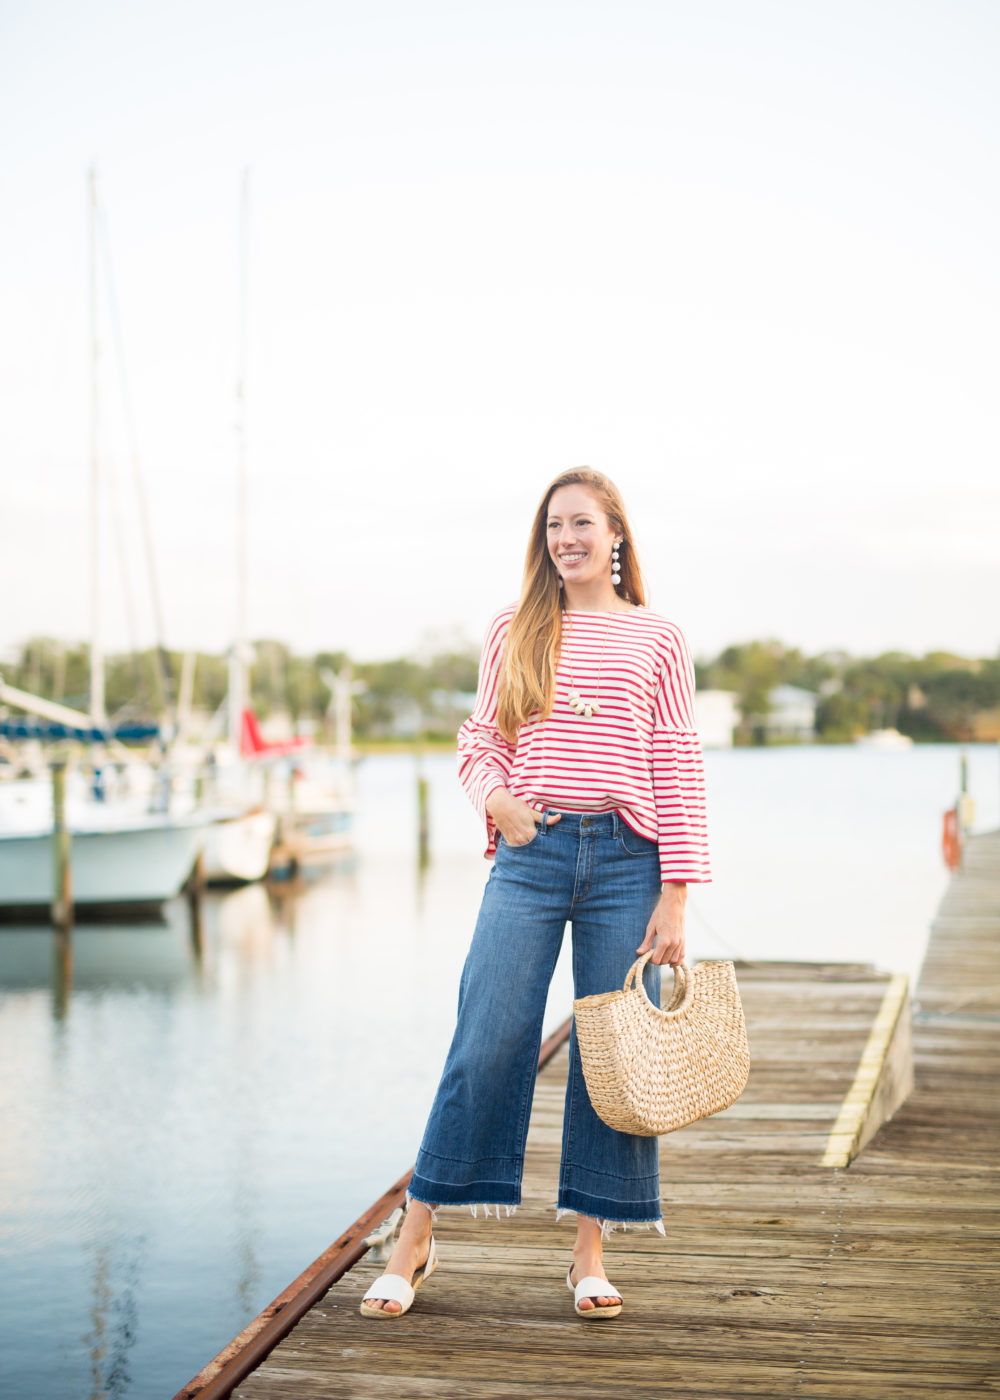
point(884, 739)
point(126, 850)
point(238, 848)
point(134, 861)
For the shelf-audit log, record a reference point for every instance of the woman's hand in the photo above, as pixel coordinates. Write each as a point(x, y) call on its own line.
point(516, 820)
point(665, 930)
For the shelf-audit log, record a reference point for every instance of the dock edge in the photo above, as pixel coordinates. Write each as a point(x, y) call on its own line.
point(247, 1350)
point(884, 1077)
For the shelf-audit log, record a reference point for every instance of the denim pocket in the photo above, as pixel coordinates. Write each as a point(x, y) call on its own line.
point(633, 844)
point(502, 840)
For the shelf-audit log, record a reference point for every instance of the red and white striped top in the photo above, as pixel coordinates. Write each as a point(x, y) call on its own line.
point(640, 756)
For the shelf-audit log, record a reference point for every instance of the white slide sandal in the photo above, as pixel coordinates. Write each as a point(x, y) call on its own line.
point(594, 1287)
point(397, 1289)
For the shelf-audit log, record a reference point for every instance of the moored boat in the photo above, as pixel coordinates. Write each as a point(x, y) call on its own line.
point(238, 848)
point(131, 862)
point(884, 739)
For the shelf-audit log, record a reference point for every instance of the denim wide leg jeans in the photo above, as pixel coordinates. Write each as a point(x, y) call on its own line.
point(595, 872)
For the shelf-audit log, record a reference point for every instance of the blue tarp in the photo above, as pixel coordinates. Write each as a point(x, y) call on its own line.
point(38, 729)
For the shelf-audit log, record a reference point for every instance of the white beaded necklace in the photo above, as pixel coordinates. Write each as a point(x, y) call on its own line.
point(580, 704)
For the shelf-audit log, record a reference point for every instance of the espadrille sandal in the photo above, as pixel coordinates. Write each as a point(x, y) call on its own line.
point(397, 1289)
point(593, 1287)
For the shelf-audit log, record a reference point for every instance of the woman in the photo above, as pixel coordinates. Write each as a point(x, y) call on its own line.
point(582, 758)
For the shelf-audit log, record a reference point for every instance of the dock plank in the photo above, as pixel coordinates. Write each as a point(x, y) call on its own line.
point(778, 1277)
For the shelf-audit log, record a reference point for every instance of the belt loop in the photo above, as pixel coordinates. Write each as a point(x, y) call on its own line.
point(614, 823)
point(543, 824)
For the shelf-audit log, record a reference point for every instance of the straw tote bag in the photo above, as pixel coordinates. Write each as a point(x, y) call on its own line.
point(648, 1070)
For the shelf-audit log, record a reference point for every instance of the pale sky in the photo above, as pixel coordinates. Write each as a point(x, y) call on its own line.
point(738, 254)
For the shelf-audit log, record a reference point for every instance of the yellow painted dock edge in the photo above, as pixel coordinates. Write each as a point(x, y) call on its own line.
point(844, 1141)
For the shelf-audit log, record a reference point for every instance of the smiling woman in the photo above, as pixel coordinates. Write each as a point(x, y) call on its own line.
point(579, 529)
point(582, 758)
point(580, 539)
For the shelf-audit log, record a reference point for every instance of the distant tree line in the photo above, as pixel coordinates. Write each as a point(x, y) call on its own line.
point(937, 696)
point(281, 682)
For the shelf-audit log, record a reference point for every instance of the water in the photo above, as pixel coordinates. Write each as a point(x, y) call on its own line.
point(186, 1123)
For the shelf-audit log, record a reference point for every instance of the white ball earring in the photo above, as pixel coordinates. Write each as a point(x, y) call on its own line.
point(616, 576)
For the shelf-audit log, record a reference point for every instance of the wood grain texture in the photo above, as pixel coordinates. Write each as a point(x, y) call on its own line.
point(778, 1277)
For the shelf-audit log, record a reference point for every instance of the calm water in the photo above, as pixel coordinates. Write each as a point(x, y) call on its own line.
point(186, 1122)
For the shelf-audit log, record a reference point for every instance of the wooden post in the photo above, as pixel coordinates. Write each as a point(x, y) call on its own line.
point(966, 804)
point(195, 889)
point(62, 870)
point(195, 885)
point(62, 972)
point(287, 846)
point(423, 805)
point(423, 822)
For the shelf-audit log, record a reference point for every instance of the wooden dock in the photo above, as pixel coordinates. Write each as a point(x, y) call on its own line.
point(781, 1275)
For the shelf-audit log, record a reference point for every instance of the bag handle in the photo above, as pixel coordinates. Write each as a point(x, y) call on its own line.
point(682, 982)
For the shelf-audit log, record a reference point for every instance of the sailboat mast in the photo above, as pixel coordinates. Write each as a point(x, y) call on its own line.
point(97, 704)
point(241, 627)
point(238, 687)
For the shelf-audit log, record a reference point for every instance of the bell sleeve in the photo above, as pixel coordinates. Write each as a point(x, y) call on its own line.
point(678, 770)
point(485, 757)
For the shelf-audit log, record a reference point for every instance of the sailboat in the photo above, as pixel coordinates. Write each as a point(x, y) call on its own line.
point(301, 810)
point(311, 793)
point(128, 850)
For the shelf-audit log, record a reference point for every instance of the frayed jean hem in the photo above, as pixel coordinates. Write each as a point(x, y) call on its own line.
point(492, 1209)
point(487, 1208)
point(611, 1227)
point(611, 1215)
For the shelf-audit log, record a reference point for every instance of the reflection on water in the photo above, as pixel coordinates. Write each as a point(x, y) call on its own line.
point(155, 953)
point(193, 1108)
point(114, 1317)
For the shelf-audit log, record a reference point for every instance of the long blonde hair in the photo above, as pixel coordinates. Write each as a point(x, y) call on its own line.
point(528, 674)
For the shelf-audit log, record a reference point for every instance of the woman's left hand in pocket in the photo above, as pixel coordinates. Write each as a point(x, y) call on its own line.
point(665, 930)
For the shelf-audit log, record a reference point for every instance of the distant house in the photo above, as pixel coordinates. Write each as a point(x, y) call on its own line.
point(448, 709)
point(792, 713)
point(407, 718)
point(716, 715)
point(443, 711)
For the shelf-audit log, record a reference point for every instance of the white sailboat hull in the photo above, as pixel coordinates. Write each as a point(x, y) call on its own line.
point(144, 863)
point(239, 848)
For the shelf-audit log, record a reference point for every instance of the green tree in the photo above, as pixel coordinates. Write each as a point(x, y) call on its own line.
point(751, 669)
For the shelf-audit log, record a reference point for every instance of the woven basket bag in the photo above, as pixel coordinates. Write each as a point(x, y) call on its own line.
point(648, 1070)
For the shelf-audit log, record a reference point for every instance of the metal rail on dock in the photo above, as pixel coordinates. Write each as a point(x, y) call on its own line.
point(247, 1350)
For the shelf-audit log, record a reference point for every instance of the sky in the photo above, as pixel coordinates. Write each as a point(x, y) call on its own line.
point(739, 254)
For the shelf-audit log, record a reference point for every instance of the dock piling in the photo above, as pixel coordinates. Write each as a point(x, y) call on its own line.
point(423, 822)
point(62, 865)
